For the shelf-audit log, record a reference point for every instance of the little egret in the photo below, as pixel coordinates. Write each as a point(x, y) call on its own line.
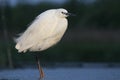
point(45, 31)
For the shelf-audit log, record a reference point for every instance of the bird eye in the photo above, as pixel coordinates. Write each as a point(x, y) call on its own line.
point(62, 12)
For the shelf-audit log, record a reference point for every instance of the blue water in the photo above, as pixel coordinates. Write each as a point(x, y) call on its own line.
point(62, 74)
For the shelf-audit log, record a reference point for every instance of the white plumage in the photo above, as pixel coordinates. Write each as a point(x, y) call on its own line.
point(45, 31)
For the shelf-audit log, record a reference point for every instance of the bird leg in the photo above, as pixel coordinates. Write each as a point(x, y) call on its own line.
point(40, 68)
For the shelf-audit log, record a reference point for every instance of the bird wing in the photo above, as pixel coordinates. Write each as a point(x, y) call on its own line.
point(39, 30)
point(54, 36)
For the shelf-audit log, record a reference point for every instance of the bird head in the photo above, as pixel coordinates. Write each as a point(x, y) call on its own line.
point(63, 13)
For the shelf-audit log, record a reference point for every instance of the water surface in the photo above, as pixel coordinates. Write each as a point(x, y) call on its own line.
point(62, 74)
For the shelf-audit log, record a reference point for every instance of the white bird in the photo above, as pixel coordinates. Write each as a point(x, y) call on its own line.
point(45, 31)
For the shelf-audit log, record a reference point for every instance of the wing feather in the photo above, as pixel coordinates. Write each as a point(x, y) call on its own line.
point(40, 29)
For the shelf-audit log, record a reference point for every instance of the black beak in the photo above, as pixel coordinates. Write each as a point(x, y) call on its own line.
point(70, 14)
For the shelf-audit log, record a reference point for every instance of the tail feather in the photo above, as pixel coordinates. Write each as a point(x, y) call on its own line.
point(18, 47)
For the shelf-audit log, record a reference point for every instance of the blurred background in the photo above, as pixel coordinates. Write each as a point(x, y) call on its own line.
point(93, 36)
